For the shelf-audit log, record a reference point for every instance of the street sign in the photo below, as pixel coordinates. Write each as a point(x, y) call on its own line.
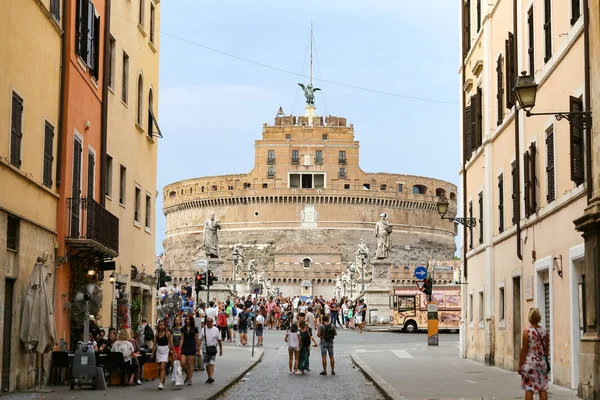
point(201, 263)
point(256, 289)
point(421, 285)
point(442, 268)
point(420, 272)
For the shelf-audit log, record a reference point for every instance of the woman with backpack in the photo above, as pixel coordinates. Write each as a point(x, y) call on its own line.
point(222, 323)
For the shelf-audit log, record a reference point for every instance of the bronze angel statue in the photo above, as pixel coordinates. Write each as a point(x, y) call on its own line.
point(309, 93)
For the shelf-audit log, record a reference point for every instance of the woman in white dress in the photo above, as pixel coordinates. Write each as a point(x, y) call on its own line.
point(163, 346)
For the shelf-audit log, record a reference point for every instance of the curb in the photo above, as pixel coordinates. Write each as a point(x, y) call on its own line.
point(388, 391)
point(236, 380)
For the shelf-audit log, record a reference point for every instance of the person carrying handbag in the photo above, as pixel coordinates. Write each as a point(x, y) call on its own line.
point(534, 365)
point(209, 340)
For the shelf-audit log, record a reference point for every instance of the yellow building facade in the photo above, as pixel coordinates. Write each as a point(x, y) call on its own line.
point(29, 126)
point(522, 181)
point(132, 142)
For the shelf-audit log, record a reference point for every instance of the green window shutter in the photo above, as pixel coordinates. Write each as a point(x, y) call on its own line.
point(551, 190)
point(48, 155)
point(468, 134)
point(16, 130)
point(499, 90)
point(577, 144)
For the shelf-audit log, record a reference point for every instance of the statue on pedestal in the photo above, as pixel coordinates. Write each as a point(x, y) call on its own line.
point(309, 93)
point(238, 257)
point(383, 233)
point(211, 240)
point(252, 272)
point(362, 255)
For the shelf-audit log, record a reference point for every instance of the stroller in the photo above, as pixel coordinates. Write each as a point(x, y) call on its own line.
point(286, 320)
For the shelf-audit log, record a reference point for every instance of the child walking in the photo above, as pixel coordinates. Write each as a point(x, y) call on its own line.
point(292, 337)
point(303, 364)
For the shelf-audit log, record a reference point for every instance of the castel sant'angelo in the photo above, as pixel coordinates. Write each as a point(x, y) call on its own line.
point(304, 208)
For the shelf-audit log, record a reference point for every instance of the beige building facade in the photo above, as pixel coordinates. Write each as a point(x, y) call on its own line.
point(29, 116)
point(522, 180)
point(132, 142)
point(304, 208)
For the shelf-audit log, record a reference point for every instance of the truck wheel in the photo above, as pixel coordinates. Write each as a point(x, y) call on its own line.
point(410, 327)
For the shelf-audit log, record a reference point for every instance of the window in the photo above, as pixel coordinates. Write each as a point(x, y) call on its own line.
point(288, 136)
point(77, 166)
point(136, 210)
point(140, 100)
point(88, 35)
point(122, 184)
point(529, 175)
point(109, 173)
point(265, 185)
point(478, 15)
point(295, 156)
point(12, 233)
point(400, 185)
point(125, 82)
point(501, 203)
point(419, 189)
point(142, 11)
point(294, 181)
point(271, 157)
point(481, 315)
point(551, 192)
point(91, 175)
point(383, 187)
point(406, 303)
point(324, 136)
point(55, 9)
point(148, 211)
point(306, 263)
point(480, 217)
point(470, 308)
point(515, 192)
point(152, 22)
point(500, 90)
point(575, 11)
point(342, 173)
point(150, 113)
point(476, 123)
point(467, 134)
point(112, 52)
point(466, 27)
point(342, 157)
point(214, 188)
point(439, 192)
point(247, 185)
point(501, 304)
point(319, 157)
point(16, 130)
point(577, 144)
point(48, 154)
point(347, 186)
point(511, 77)
point(547, 30)
point(470, 227)
point(531, 42)
point(271, 172)
point(366, 186)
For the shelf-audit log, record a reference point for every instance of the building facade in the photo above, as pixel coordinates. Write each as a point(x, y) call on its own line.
point(132, 141)
point(29, 115)
point(304, 208)
point(524, 180)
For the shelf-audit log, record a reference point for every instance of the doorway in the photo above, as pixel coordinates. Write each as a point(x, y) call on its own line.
point(543, 301)
point(577, 272)
point(516, 321)
point(7, 344)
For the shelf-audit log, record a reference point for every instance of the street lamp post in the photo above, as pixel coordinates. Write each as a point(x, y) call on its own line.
point(442, 207)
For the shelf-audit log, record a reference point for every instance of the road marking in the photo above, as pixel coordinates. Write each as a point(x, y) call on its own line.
point(401, 354)
point(470, 381)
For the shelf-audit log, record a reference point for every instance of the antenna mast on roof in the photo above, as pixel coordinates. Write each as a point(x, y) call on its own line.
point(311, 46)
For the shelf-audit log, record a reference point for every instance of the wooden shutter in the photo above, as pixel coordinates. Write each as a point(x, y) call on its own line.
point(499, 90)
point(89, 60)
point(501, 203)
point(478, 15)
point(515, 191)
point(477, 119)
point(468, 136)
point(533, 174)
point(551, 193)
point(467, 33)
point(547, 30)
point(91, 175)
point(575, 11)
point(76, 169)
point(96, 49)
point(531, 44)
point(82, 28)
point(527, 181)
point(48, 155)
point(55, 9)
point(481, 217)
point(509, 48)
point(16, 130)
point(577, 168)
point(470, 227)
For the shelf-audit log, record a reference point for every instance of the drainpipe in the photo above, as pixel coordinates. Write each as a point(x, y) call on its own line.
point(517, 148)
point(587, 99)
point(63, 88)
point(104, 110)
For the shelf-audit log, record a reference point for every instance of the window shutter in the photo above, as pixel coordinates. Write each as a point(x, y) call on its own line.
point(480, 217)
point(533, 182)
point(500, 90)
point(575, 11)
point(96, 49)
point(16, 130)
point(55, 9)
point(478, 15)
point(48, 158)
point(76, 169)
point(467, 32)
point(467, 126)
point(509, 47)
point(531, 48)
point(577, 168)
point(527, 182)
point(470, 227)
point(89, 60)
point(551, 195)
point(501, 204)
point(82, 28)
point(478, 118)
point(91, 170)
point(515, 191)
point(547, 30)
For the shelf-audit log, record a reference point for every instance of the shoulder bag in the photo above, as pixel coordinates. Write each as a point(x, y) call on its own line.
point(210, 350)
point(544, 348)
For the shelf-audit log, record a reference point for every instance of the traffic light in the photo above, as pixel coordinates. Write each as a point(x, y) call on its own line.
point(212, 279)
point(163, 278)
point(428, 287)
point(198, 283)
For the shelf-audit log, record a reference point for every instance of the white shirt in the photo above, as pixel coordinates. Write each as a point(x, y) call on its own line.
point(125, 347)
point(295, 302)
point(212, 313)
point(344, 309)
point(260, 319)
point(212, 335)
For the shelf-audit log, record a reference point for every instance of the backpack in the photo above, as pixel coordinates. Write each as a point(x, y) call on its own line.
point(222, 320)
point(148, 333)
point(244, 318)
point(329, 332)
point(234, 311)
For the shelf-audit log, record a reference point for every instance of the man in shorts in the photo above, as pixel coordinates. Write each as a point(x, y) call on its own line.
point(243, 320)
point(260, 322)
point(271, 313)
point(327, 333)
point(213, 338)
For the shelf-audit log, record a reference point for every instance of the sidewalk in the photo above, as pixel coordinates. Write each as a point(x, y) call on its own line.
point(229, 369)
point(416, 371)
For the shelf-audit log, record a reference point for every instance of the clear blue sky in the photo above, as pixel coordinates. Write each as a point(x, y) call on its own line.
point(212, 106)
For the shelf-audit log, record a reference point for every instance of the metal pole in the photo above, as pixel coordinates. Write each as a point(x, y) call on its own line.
point(253, 334)
point(362, 264)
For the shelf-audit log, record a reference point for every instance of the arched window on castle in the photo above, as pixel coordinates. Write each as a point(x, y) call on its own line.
point(306, 262)
point(452, 196)
point(439, 192)
point(419, 189)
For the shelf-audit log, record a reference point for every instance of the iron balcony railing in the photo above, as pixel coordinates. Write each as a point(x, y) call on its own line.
point(341, 161)
point(88, 220)
point(295, 161)
point(270, 161)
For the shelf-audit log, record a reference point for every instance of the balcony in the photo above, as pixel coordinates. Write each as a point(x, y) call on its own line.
point(295, 161)
point(270, 161)
point(342, 161)
point(92, 228)
point(342, 175)
point(319, 161)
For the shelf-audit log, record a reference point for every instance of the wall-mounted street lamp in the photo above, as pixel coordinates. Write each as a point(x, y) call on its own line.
point(442, 207)
point(91, 272)
point(111, 279)
point(525, 92)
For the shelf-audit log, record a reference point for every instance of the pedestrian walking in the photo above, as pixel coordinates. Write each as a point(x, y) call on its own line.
point(533, 363)
point(260, 321)
point(243, 318)
point(230, 316)
point(162, 348)
point(190, 347)
point(292, 337)
point(327, 333)
point(305, 339)
point(176, 335)
point(222, 323)
point(209, 340)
